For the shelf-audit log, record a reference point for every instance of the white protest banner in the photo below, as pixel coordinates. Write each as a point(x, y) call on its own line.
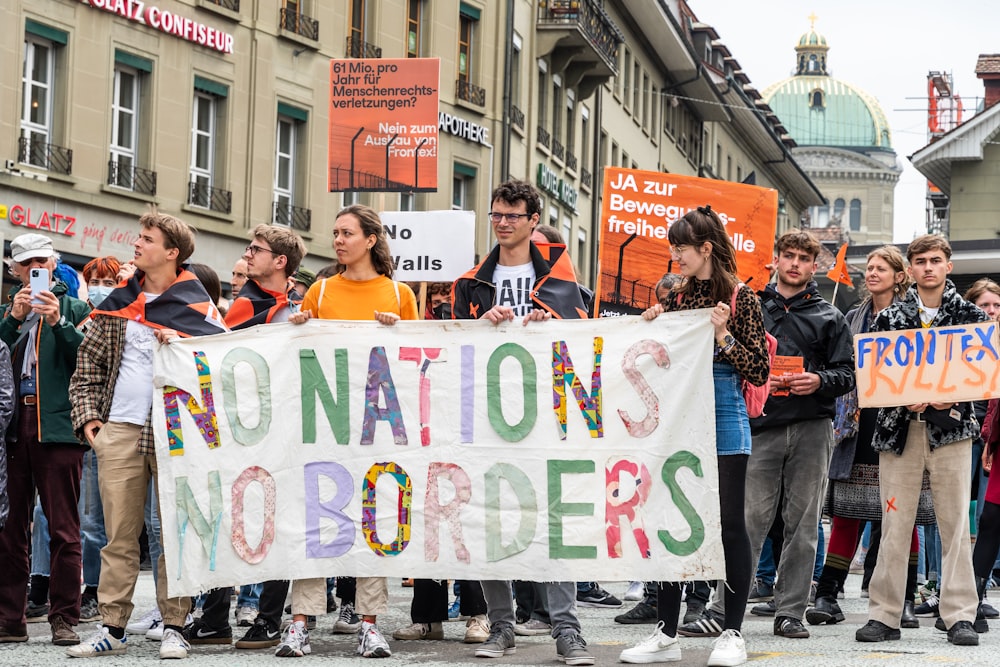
point(557, 451)
point(431, 245)
point(936, 365)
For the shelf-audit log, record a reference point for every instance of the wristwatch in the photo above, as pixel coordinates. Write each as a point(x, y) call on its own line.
point(729, 341)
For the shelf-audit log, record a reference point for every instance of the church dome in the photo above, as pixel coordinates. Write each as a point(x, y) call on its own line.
point(819, 110)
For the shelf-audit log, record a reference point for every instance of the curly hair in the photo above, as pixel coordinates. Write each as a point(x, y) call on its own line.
point(371, 225)
point(798, 239)
point(515, 191)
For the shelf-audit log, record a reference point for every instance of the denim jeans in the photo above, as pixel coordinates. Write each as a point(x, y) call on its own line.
point(765, 565)
point(561, 598)
point(249, 596)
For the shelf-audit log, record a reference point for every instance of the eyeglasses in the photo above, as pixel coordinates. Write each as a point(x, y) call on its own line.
point(254, 249)
point(677, 250)
point(513, 218)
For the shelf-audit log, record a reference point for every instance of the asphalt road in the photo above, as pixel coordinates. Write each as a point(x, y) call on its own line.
point(828, 646)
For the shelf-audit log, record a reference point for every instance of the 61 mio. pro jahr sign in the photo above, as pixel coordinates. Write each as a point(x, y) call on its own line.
point(936, 365)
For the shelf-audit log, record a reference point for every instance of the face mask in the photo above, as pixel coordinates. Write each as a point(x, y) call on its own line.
point(97, 294)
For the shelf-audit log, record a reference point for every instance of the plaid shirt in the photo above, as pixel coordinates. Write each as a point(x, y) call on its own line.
point(93, 384)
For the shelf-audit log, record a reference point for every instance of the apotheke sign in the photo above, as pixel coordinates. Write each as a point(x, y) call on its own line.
point(463, 128)
point(167, 22)
point(550, 182)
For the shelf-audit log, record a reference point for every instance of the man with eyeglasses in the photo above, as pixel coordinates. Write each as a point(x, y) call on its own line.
point(518, 280)
point(42, 450)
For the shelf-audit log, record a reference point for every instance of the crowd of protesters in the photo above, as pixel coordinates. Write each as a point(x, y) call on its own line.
point(78, 471)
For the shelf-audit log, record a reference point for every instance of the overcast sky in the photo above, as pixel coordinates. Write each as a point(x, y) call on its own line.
point(885, 47)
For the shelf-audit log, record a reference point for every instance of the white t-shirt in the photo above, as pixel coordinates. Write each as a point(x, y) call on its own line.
point(515, 285)
point(133, 396)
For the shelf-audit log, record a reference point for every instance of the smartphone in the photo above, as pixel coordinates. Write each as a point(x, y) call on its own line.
point(39, 282)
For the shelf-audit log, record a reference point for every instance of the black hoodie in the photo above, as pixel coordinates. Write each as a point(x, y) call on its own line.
point(808, 326)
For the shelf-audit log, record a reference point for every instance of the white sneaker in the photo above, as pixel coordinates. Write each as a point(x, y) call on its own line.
point(730, 650)
point(100, 643)
point(371, 643)
point(636, 591)
point(151, 619)
point(657, 647)
point(295, 642)
point(173, 645)
point(245, 616)
point(156, 634)
point(477, 629)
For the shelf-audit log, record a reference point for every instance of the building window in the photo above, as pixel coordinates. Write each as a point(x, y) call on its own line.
point(816, 100)
point(515, 71)
point(358, 9)
point(290, 134)
point(543, 90)
point(414, 16)
point(407, 201)
point(838, 210)
point(125, 125)
point(466, 32)
point(463, 187)
point(855, 215)
point(570, 120)
point(351, 198)
point(206, 164)
point(627, 78)
point(42, 49)
point(557, 100)
point(585, 137)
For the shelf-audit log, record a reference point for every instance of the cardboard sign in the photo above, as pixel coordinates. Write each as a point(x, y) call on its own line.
point(639, 207)
point(557, 451)
point(384, 125)
point(936, 365)
point(431, 245)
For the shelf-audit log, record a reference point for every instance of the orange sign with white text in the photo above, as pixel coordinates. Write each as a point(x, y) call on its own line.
point(383, 124)
point(638, 208)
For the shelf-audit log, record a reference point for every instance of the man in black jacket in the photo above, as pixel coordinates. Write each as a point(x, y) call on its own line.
point(793, 439)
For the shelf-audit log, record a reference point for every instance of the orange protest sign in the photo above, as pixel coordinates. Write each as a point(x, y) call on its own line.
point(936, 365)
point(639, 206)
point(383, 125)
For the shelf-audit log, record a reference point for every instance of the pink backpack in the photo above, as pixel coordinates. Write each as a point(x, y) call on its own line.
point(755, 397)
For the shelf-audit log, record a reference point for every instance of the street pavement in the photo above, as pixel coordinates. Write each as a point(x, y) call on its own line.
point(829, 645)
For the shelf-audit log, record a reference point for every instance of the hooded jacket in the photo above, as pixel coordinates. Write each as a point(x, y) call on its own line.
point(808, 326)
point(891, 427)
point(555, 289)
point(55, 350)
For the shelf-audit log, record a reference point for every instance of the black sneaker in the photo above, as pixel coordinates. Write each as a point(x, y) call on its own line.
point(763, 609)
point(930, 607)
point(197, 632)
point(695, 609)
point(761, 591)
point(641, 613)
point(826, 611)
point(980, 625)
point(709, 625)
point(988, 610)
point(88, 609)
point(790, 628)
point(962, 634)
point(260, 635)
point(876, 631)
point(37, 613)
point(597, 597)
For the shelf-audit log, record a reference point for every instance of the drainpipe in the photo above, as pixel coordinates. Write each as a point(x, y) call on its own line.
point(507, 86)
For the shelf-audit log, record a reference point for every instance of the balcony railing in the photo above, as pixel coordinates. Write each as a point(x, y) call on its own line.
point(570, 161)
point(557, 149)
point(232, 5)
point(470, 92)
point(131, 178)
point(214, 199)
point(47, 156)
point(588, 16)
point(299, 219)
point(299, 23)
point(586, 178)
point(543, 136)
point(359, 48)
point(517, 117)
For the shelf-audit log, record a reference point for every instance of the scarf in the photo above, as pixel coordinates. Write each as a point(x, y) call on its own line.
point(256, 305)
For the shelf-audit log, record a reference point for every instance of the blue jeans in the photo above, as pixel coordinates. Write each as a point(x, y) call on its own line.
point(249, 596)
point(765, 566)
point(92, 535)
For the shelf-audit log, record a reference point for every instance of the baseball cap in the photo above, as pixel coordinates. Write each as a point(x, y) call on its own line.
point(304, 276)
point(31, 246)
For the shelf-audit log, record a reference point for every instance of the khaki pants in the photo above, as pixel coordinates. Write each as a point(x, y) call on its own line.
point(123, 478)
point(372, 597)
point(309, 597)
point(900, 480)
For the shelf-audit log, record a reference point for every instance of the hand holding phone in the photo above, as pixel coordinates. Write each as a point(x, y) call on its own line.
point(39, 282)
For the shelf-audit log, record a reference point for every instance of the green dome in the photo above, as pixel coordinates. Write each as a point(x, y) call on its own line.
point(822, 111)
point(818, 110)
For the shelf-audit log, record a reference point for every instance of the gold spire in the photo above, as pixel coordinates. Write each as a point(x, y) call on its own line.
point(812, 21)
